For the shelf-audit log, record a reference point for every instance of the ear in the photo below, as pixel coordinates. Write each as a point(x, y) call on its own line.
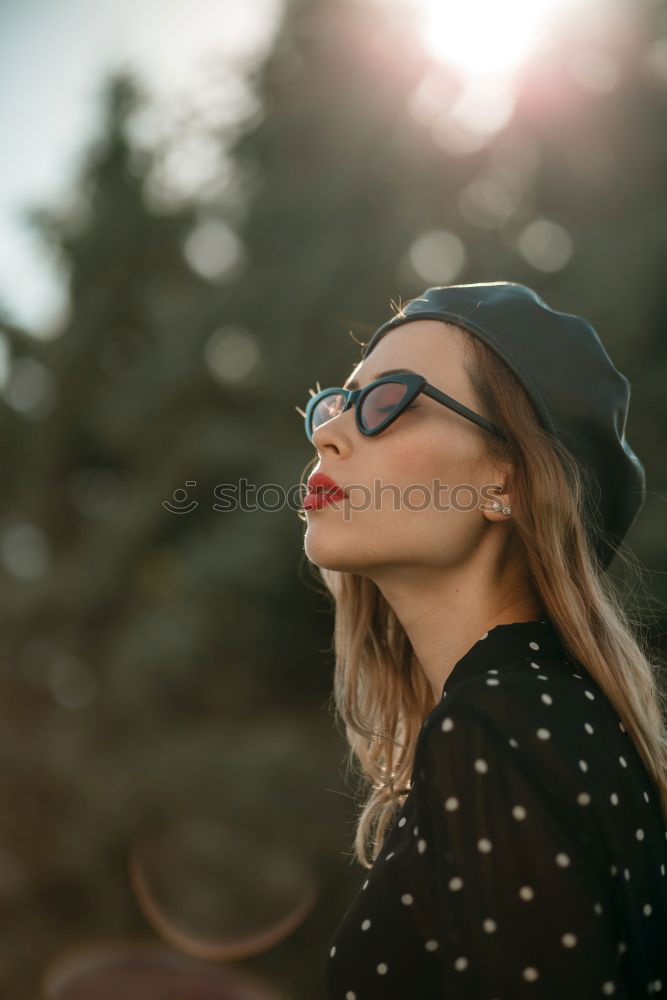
point(498, 506)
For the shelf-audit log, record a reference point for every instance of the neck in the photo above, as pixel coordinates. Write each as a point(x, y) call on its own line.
point(445, 612)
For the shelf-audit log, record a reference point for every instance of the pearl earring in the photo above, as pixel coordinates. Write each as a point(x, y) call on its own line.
point(506, 509)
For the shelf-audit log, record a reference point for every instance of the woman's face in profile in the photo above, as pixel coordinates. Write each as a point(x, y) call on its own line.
point(414, 490)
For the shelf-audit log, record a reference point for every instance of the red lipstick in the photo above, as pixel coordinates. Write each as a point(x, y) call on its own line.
point(322, 490)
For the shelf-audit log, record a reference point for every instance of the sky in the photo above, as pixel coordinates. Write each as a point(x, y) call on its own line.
point(53, 57)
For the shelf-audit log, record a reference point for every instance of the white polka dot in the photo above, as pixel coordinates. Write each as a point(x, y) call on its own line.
point(390, 855)
point(513, 742)
point(492, 681)
point(569, 940)
point(332, 952)
point(542, 677)
point(588, 727)
point(646, 796)
point(431, 944)
point(416, 831)
point(402, 821)
point(407, 899)
point(535, 666)
point(421, 846)
point(451, 803)
point(639, 834)
point(583, 798)
point(461, 963)
point(589, 694)
point(518, 812)
point(662, 869)
point(350, 995)
point(526, 892)
point(613, 869)
point(455, 883)
point(530, 974)
point(484, 636)
point(622, 947)
point(382, 968)
point(365, 884)
point(583, 765)
point(613, 799)
point(446, 725)
point(578, 676)
point(563, 860)
point(492, 671)
point(481, 766)
point(626, 874)
point(543, 734)
point(621, 727)
point(608, 988)
point(598, 908)
point(534, 645)
point(484, 845)
point(489, 925)
point(547, 699)
point(623, 762)
point(647, 909)
point(365, 924)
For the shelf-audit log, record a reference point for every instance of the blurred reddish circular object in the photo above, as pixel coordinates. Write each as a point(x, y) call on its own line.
point(220, 893)
point(134, 971)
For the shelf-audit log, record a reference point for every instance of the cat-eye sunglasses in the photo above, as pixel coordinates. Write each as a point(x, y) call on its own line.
point(379, 403)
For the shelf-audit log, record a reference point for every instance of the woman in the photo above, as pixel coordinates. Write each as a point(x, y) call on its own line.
point(493, 692)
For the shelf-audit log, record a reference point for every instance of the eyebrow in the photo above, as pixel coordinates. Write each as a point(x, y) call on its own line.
point(353, 384)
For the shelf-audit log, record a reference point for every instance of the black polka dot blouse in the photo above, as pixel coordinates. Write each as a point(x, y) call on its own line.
point(529, 858)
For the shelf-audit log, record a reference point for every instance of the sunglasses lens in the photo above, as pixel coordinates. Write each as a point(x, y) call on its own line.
point(381, 402)
point(326, 409)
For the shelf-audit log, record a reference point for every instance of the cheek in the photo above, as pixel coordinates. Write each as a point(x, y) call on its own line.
point(420, 462)
point(433, 477)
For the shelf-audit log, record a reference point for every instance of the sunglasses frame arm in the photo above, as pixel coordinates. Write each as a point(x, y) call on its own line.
point(464, 411)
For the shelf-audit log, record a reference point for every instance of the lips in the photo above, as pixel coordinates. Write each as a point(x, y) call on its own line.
point(321, 490)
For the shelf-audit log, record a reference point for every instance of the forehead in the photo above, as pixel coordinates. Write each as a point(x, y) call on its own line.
point(431, 348)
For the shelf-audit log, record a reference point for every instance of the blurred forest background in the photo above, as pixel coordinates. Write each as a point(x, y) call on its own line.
point(171, 776)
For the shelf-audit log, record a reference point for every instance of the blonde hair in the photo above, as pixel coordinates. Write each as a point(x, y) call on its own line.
point(381, 696)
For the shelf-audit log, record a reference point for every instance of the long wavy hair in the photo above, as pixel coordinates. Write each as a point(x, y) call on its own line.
point(381, 696)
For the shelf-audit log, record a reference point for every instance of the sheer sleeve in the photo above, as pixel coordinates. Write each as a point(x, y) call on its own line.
point(516, 871)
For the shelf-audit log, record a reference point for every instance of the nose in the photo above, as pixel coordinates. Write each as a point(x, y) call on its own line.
point(335, 433)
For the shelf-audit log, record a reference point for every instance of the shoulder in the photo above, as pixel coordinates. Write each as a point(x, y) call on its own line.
point(512, 696)
point(544, 717)
point(523, 739)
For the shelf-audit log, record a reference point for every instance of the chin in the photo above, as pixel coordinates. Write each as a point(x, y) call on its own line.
point(328, 553)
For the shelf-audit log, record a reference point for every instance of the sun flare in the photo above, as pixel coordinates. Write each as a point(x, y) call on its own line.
point(481, 36)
